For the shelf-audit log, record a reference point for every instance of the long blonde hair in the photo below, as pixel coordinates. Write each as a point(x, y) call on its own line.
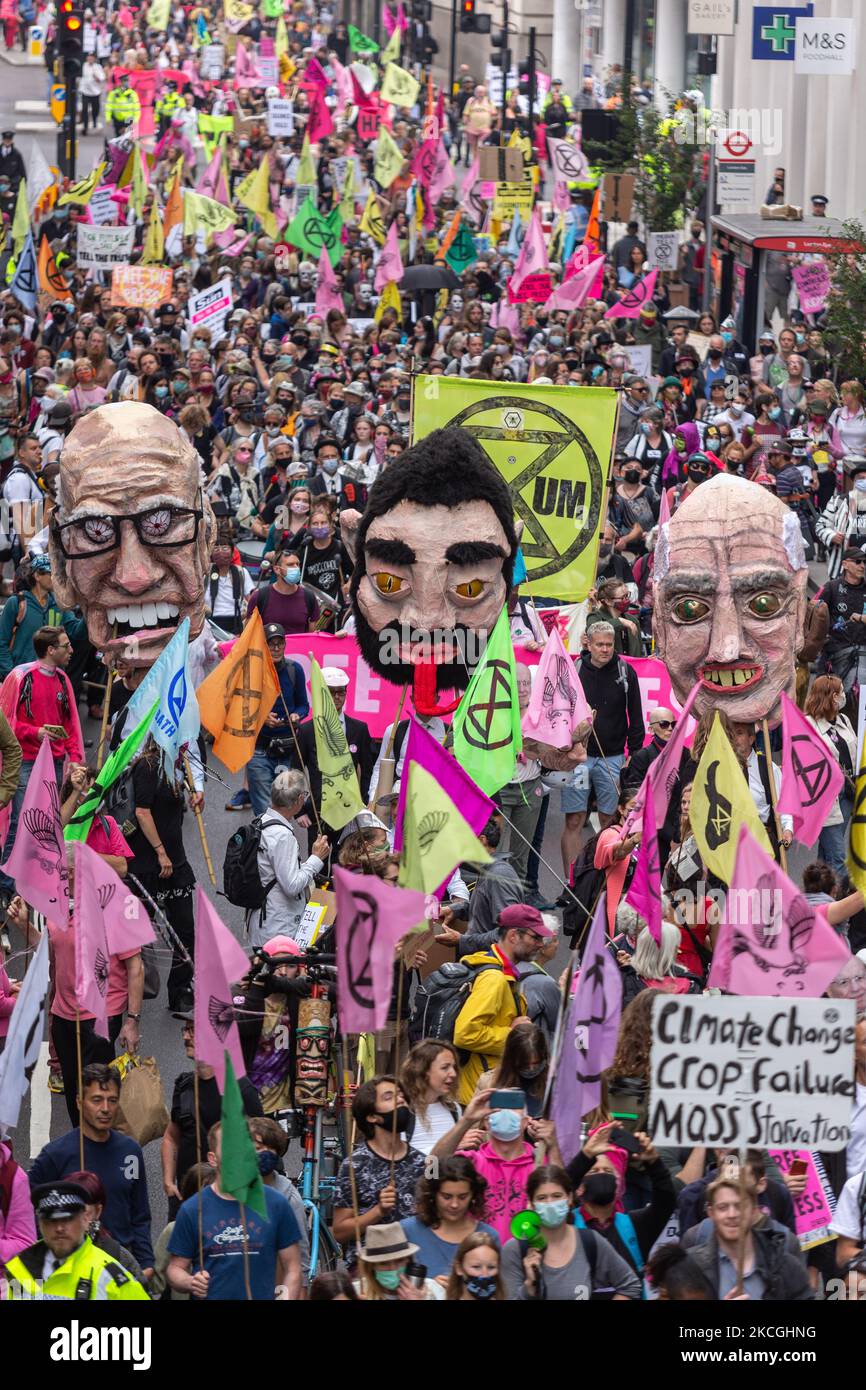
point(454, 1289)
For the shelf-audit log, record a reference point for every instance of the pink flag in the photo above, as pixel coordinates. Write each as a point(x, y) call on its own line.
point(645, 890)
point(631, 303)
point(442, 176)
point(372, 916)
point(227, 245)
point(38, 859)
point(320, 124)
point(561, 198)
point(771, 942)
point(581, 258)
point(505, 315)
point(388, 20)
point(664, 507)
point(402, 21)
point(219, 963)
point(315, 74)
point(212, 183)
point(663, 772)
point(390, 265)
point(557, 704)
point(811, 775)
point(327, 294)
point(163, 142)
point(246, 69)
point(104, 926)
point(533, 254)
point(343, 83)
point(572, 293)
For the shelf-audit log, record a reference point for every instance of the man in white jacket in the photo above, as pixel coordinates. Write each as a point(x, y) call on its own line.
point(279, 862)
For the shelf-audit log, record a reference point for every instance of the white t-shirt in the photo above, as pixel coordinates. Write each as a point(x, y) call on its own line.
point(846, 1218)
point(430, 1126)
point(857, 1143)
point(224, 598)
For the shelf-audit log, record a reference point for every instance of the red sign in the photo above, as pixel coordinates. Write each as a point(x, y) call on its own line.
point(737, 144)
point(535, 289)
point(367, 124)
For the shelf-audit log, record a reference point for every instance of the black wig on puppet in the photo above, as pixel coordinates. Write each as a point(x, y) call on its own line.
point(446, 469)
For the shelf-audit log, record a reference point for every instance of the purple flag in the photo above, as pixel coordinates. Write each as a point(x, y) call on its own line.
point(372, 916)
point(107, 921)
point(38, 859)
point(771, 941)
point(589, 1036)
point(424, 749)
point(645, 889)
point(219, 963)
point(811, 775)
point(662, 773)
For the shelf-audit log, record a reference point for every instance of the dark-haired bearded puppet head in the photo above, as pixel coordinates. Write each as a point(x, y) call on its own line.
point(434, 553)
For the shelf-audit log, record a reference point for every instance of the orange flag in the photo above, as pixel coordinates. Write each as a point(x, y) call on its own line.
point(593, 232)
point(173, 204)
point(449, 236)
point(51, 280)
point(236, 698)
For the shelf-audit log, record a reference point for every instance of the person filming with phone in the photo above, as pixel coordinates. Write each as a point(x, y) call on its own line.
point(599, 1175)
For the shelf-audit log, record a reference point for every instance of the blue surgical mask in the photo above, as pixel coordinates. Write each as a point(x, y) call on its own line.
point(644, 427)
point(161, 392)
point(330, 465)
point(860, 482)
point(800, 337)
point(552, 1213)
point(774, 412)
point(728, 337)
point(293, 576)
point(505, 1124)
point(389, 1278)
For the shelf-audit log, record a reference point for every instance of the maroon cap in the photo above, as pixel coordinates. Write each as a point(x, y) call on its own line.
point(525, 918)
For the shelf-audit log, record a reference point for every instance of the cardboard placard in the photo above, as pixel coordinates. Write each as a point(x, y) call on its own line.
point(499, 165)
point(618, 192)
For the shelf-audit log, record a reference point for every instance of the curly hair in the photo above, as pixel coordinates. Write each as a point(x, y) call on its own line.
point(416, 1069)
point(454, 1169)
point(632, 1056)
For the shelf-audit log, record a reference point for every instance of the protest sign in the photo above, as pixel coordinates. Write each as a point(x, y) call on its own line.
point(813, 285)
point(212, 62)
point(209, 307)
point(144, 286)
point(102, 248)
point(281, 117)
point(662, 250)
point(754, 1073)
point(813, 1209)
point(102, 206)
point(534, 289)
point(511, 197)
point(640, 358)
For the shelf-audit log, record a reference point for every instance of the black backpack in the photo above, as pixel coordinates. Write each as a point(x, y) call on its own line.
point(585, 884)
point(242, 884)
point(439, 999)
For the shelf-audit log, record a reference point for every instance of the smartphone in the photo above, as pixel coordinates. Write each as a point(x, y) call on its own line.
point(798, 1168)
point(509, 1099)
point(623, 1140)
point(56, 730)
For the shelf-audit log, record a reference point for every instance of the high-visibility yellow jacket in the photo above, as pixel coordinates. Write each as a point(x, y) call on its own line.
point(88, 1275)
point(123, 104)
point(484, 1022)
point(168, 104)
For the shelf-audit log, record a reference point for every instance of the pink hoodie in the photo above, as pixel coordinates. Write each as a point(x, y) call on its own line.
point(18, 1226)
point(7, 1002)
point(506, 1184)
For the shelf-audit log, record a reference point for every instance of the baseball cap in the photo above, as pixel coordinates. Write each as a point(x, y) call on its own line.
point(780, 446)
point(524, 918)
point(334, 678)
point(274, 630)
point(281, 946)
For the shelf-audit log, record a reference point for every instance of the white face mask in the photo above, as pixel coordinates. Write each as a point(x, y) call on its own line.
point(860, 482)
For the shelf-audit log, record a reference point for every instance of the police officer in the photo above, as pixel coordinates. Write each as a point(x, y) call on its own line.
point(123, 106)
point(167, 106)
point(65, 1264)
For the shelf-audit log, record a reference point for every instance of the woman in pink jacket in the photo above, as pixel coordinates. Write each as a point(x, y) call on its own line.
point(17, 1223)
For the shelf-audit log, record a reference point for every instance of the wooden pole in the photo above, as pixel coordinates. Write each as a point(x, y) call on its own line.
point(199, 820)
point(198, 1160)
point(106, 706)
point(388, 755)
point(80, 1069)
point(356, 1215)
point(771, 778)
point(303, 764)
point(744, 1223)
point(397, 1062)
point(246, 1254)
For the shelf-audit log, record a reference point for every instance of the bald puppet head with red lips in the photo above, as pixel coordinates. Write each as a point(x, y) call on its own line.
point(434, 556)
point(729, 598)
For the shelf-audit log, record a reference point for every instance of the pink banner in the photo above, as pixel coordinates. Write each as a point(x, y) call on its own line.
point(812, 1210)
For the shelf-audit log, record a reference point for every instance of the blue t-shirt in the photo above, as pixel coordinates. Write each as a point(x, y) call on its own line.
point(434, 1252)
point(119, 1162)
point(222, 1238)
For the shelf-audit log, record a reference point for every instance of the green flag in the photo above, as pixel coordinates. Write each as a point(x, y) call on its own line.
point(436, 838)
point(359, 43)
point(487, 737)
point(82, 819)
point(313, 233)
point(239, 1167)
point(462, 252)
point(341, 795)
point(273, 9)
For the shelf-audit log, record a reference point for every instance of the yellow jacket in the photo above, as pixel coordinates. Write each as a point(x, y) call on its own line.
point(485, 1020)
point(88, 1275)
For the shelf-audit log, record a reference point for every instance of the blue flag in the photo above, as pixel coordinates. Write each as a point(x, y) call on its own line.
point(176, 723)
point(515, 236)
point(25, 281)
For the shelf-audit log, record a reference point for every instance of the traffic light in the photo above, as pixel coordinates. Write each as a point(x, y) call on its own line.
point(472, 23)
point(527, 79)
point(70, 37)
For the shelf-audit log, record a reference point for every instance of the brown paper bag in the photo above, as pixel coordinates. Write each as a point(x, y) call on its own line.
point(142, 1113)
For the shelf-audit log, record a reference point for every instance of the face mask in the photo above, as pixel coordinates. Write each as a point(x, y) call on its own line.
point(389, 1278)
point(715, 354)
point(552, 1213)
point(644, 427)
point(686, 369)
point(596, 372)
point(556, 342)
point(161, 392)
point(14, 330)
point(800, 338)
point(481, 1285)
point(860, 483)
point(180, 387)
point(200, 344)
point(765, 349)
point(299, 508)
point(330, 465)
point(774, 412)
point(632, 475)
point(696, 475)
point(243, 458)
point(840, 701)
point(505, 1124)
point(600, 1189)
point(404, 1119)
point(267, 1161)
point(728, 337)
point(293, 576)
point(273, 431)
point(320, 533)
point(246, 413)
point(680, 446)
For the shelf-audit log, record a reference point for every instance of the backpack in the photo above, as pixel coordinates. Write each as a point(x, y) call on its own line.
point(237, 589)
point(264, 592)
point(439, 999)
point(242, 883)
point(585, 883)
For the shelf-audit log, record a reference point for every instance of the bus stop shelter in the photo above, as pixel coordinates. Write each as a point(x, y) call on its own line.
point(741, 246)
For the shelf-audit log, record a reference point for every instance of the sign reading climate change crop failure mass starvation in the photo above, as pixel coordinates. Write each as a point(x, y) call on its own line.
point(553, 449)
point(752, 1073)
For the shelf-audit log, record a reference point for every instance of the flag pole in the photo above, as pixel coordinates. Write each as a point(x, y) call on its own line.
point(199, 819)
point(771, 778)
point(741, 1241)
point(198, 1160)
point(106, 705)
point(397, 1061)
point(356, 1215)
point(301, 761)
point(246, 1253)
point(388, 756)
point(79, 1069)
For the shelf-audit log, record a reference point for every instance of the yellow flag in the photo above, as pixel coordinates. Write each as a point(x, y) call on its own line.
point(238, 11)
point(21, 220)
point(82, 191)
point(159, 14)
point(237, 697)
point(281, 38)
point(389, 299)
point(721, 803)
point(399, 86)
point(436, 836)
point(391, 52)
point(138, 189)
point(254, 193)
point(154, 241)
point(372, 221)
point(347, 196)
point(367, 1041)
point(173, 214)
point(389, 159)
point(341, 795)
point(306, 175)
point(857, 829)
point(202, 214)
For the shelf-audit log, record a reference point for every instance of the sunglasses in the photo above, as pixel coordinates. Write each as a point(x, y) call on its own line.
point(664, 724)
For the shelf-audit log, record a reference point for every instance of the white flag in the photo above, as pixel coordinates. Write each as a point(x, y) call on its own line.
point(24, 1038)
point(39, 175)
